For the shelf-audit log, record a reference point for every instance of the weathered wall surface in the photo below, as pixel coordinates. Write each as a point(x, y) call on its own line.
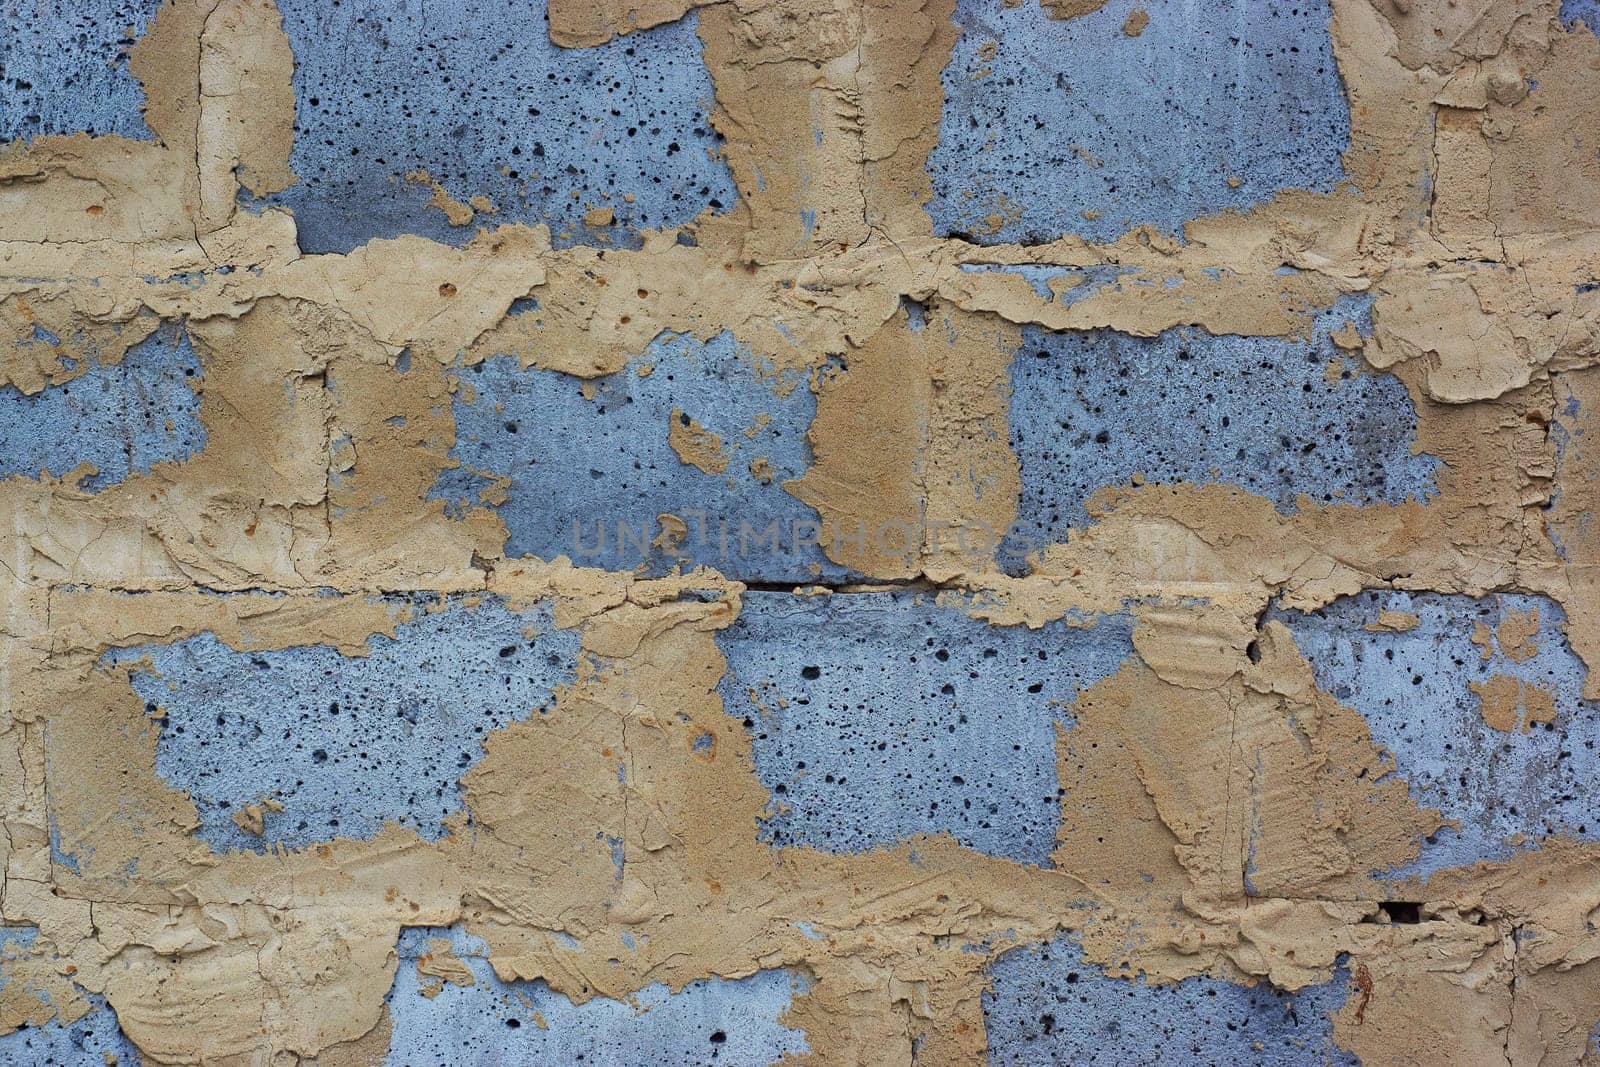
point(728, 531)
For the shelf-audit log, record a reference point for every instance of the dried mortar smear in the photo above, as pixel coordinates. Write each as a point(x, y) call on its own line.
point(919, 531)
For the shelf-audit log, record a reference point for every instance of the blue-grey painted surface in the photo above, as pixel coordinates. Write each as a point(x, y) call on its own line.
point(876, 716)
point(84, 1043)
point(123, 418)
point(1073, 116)
point(64, 67)
point(589, 477)
point(476, 95)
point(1092, 408)
point(1584, 11)
point(727, 1023)
point(345, 743)
point(1051, 1006)
point(1413, 691)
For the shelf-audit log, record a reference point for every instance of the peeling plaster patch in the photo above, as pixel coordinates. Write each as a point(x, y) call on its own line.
point(478, 99)
point(94, 1040)
point(1213, 106)
point(526, 1024)
point(346, 743)
point(1094, 408)
point(1422, 695)
point(122, 419)
point(1066, 285)
point(1049, 1005)
point(592, 466)
point(64, 68)
point(877, 716)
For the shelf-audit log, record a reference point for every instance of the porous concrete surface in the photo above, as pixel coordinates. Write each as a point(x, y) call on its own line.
point(653, 532)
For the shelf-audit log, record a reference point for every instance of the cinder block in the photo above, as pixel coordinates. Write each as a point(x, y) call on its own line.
point(121, 418)
point(688, 429)
point(478, 99)
point(65, 68)
point(343, 744)
point(1049, 1005)
point(1481, 705)
point(878, 716)
point(1080, 127)
point(720, 1021)
point(1274, 415)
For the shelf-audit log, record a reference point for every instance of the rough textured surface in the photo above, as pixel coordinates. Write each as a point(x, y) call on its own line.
point(782, 531)
point(448, 1006)
point(598, 471)
point(1050, 1005)
point(970, 753)
point(472, 111)
point(327, 745)
point(1282, 418)
point(1085, 126)
point(1507, 747)
point(65, 68)
point(118, 419)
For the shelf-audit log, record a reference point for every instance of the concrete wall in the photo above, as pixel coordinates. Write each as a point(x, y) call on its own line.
point(707, 532)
